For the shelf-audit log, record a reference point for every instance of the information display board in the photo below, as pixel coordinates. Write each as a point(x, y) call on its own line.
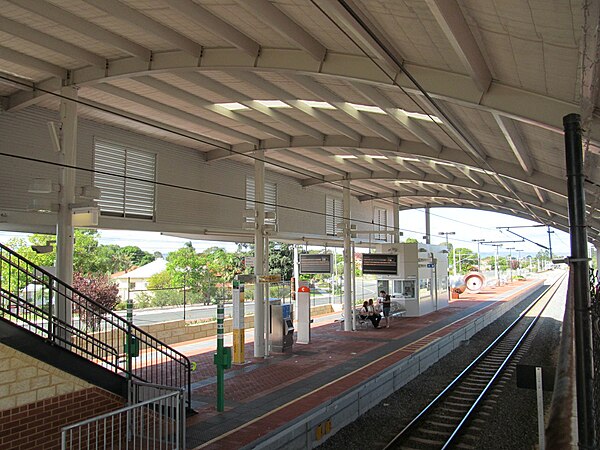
point(320, 263)
point(377, 264)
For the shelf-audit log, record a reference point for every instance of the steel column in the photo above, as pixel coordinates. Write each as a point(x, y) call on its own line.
point(348, 313)
point(580, 274)
point(64, 228)
point(259, 254)
point(428, 226)
point(396, 219)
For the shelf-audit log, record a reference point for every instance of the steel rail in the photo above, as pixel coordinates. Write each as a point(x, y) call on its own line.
point(403, 434)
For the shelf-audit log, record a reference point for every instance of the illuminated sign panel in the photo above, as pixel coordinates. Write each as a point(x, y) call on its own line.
point(321, 263)
point(375, 264)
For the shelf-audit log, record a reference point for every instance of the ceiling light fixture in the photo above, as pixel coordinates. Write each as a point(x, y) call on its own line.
point(367, 108)
point(233, 106)
point(346, 156)
point(376, 156)
point(273, 103)
point(317, 104)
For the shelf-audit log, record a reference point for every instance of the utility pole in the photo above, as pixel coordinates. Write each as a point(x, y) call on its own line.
point(479, 241)
point(446, 233)
point(510, 249)
point(550, 241)
point(495, 261)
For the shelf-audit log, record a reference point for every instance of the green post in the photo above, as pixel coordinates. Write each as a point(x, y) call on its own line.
point(128, 337)
point(222, 359)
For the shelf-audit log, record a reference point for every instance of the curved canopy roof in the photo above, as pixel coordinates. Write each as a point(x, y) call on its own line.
point(433, 102)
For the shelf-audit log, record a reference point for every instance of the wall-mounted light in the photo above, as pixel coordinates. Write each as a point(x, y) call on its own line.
point(85, 216)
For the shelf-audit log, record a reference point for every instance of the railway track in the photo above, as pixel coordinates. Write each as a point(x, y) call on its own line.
point(442, 423)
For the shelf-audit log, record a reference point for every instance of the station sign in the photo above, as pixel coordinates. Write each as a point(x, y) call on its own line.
point(274, 278)
point(379, 264)
point(319, 263)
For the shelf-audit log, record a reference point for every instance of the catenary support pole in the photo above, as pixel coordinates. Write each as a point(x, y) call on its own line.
point(64, 229)
point(584, 368)
point(347, 260)
point(396, 220)
point(259, 242)
point(428, 226)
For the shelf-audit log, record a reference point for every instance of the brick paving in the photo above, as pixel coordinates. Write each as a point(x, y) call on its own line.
point(334, 362)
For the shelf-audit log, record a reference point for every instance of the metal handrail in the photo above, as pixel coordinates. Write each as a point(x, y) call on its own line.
point(96, 332)
point(156, 422)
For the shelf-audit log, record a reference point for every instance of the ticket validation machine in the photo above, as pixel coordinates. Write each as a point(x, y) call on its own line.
point(282, 327)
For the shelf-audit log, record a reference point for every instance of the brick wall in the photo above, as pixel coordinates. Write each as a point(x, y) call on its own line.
point(37, 425)
point(37, 399)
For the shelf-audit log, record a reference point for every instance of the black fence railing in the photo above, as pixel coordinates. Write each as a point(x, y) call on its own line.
point(30, 297)
point(595, 304)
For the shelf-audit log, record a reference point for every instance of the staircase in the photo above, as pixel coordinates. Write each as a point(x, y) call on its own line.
point(93, 344)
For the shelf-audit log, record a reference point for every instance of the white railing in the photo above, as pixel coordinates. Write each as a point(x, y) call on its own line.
point(155, 419)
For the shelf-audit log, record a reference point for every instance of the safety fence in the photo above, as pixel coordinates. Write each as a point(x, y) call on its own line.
point(154, 419)
point(36, 300)
point(595, 304)
point(562, 423)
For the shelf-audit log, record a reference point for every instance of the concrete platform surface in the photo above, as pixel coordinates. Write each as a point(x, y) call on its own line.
point(265, 395)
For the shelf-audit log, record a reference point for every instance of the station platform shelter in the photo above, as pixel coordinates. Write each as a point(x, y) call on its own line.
point(300, 398)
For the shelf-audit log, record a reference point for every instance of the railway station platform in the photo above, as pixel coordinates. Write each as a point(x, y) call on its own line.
point(300, 398)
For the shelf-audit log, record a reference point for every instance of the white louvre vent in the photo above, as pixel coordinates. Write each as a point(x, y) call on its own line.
point(125, 177)
point(333, 215)
point(380, 221)
point(270, 196)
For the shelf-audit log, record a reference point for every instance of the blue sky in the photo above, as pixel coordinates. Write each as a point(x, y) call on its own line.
point(468, 224)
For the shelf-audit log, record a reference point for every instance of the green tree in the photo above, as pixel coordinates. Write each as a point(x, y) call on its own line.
point(137, 256)
point(465, 259)
point(411, 241)
point(281, 260)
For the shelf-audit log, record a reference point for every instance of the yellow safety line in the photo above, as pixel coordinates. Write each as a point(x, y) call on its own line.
point(256, 419)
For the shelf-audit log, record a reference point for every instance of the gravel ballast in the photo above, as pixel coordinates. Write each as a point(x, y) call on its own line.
point(512, 422)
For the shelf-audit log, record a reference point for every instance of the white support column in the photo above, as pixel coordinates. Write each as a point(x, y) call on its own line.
point(267, 294)
point(347, 260)
point(597, 257)
point(64, 228)
point(259, 254)
point(396, 219)
point(427, 225)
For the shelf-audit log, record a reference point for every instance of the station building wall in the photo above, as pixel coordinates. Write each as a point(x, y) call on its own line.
point(25, 133)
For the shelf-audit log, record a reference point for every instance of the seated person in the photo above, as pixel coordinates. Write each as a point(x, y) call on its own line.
point(374, 316)
point(364, 311)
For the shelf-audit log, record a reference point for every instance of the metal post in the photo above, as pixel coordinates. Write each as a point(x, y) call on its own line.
point(220, 353)
point(396, 220)
point(259, 242)
point(579, 271)
point(550, 237)
point(510, 249)
point(347, 260)
point(428, 227)
point(184, 293)
point(64, 228)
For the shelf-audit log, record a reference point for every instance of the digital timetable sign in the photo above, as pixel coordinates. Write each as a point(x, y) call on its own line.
point(320, 263)
point(377, 264)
